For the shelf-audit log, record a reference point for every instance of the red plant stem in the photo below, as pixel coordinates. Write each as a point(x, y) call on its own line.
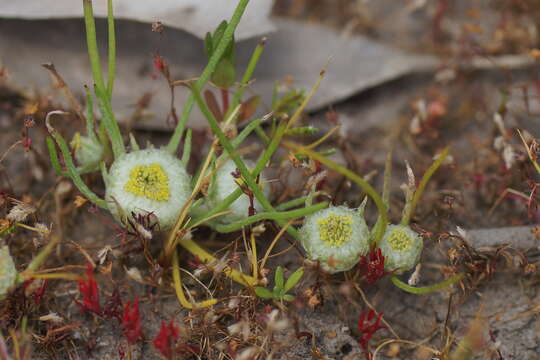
point(225, 100)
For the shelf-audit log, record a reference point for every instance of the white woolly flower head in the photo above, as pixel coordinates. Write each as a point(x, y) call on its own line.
point(336, 237)
point(401, 247)
point(88, 150)
point(224, 184)
point(147, 181)
point(8, 272)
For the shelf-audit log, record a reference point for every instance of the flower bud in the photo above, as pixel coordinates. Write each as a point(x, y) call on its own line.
point(336, 237)
point(147, 181)
point(401, 247)
point(8, 272)
point(88, 151)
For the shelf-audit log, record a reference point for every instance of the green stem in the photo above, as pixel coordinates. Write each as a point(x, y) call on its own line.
point(422, 186)
point(187, 148)
point(227, 37)
point(178, 287)
point(110, 123)
point(426, 289)
point(364, 185)
point(42, 255)
point(72, 172)
point(261, 163)
point(111, 57)
point(248, 176)
point(90, 131)
point(237, 97)
point(275, 215)
point(296, 202)
point(387, 179)
point(212, 262)
point(53, 154)
point(263, 159)
point(102, 93)
point(242, 136)
point(91, 41)
point(386, 189)
point(260, 132)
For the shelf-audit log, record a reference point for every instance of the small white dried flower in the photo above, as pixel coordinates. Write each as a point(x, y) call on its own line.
point(103, 253)
point(240, 328)
point(275, 324)
point(63, 188)
point(498, 143)
point(8, 272)
point(52, 317)
point(233, 302)
point(445, 75)
point(401, 248)
point(414, 279)
point(336, 237)
point(410, 177)
point(509, 156)
point(312, 182)
point(449, 160)
point(144, 232)
point(498, 120)
point(225, 184)
point(248, 353)
point(135, 274)
point(420, 116)
point(147, 181)
point(210, 317)
point(20, 211)
point(259, 229)
point(461, 232)
point(415, 126)
point(43, 230)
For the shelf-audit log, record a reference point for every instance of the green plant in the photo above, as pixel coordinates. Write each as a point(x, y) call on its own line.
point(336, 237)
point(8, 273)
point(401, 248)
point(11, 278)
point(410, 245)
point(281, 287)
point(154, 182)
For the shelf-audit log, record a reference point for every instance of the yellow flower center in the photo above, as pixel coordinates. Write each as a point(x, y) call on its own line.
point(400, 240)
point(335, 229)
point(149, 181)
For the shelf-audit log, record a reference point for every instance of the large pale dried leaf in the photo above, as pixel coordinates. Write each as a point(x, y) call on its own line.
point(194, 16)
point(296, 49)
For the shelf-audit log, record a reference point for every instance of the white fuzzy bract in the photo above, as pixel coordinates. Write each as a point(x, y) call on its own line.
point(88, 151)
point(225, 184)
point(8, 272)
point(336, 237)
point(147, 181)
point(401, 247)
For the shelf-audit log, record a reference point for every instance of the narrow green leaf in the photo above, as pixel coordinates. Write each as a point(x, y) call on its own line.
point(53, 154)
point(208, 47)
point(263, 293)
point(426, 289)
point(302, 131)
point(288, 297)
point(279, 280)
point(225, 74)
point(294, 279)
